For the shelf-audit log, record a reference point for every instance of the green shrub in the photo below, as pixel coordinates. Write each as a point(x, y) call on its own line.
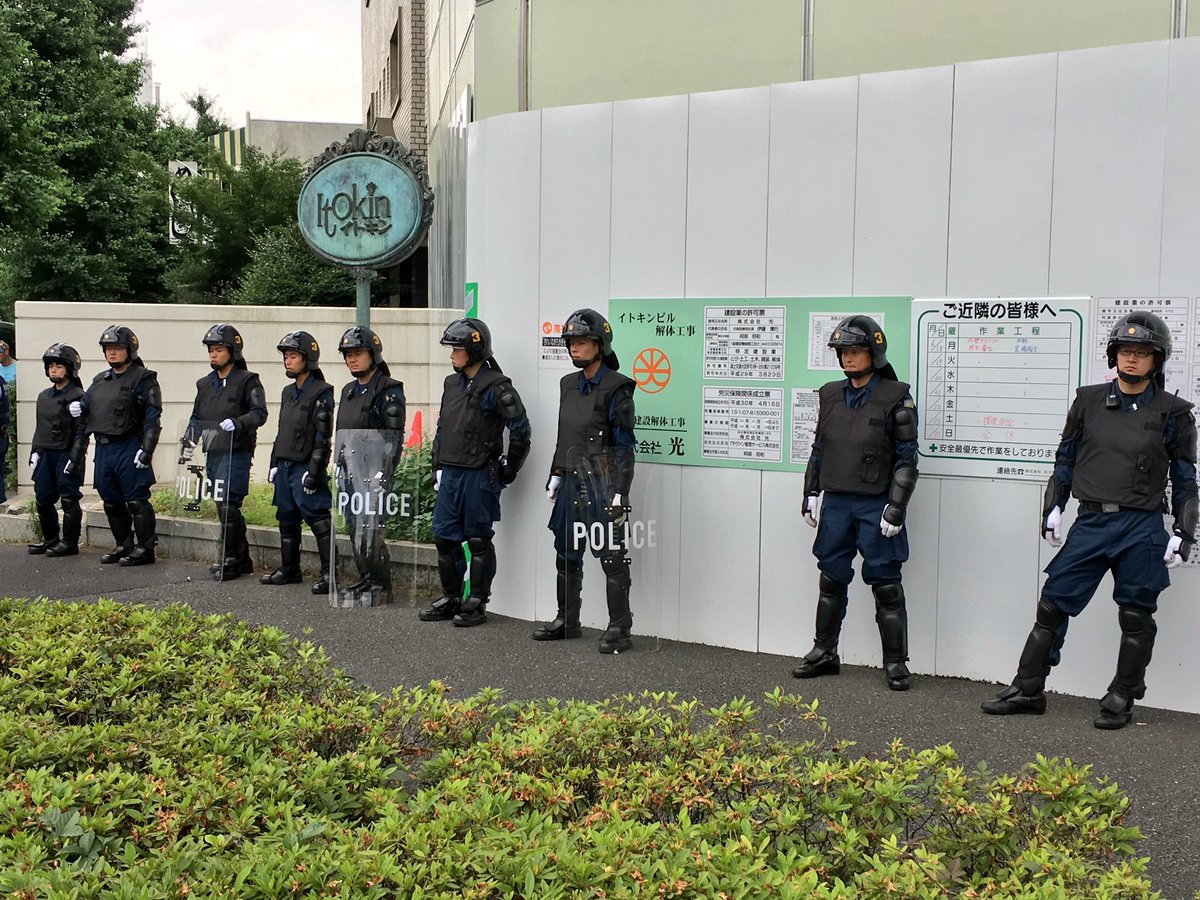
point(167, 754)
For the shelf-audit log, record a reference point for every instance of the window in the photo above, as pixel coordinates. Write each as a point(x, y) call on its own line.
point(393, 67)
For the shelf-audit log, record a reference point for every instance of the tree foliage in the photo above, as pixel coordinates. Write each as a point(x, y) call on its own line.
point(83, 200)
point(225, 213)
point(284, 272)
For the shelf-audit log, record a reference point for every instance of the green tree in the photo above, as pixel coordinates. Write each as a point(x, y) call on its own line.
point(284, 272)
point(83, 203)
point(226, 213)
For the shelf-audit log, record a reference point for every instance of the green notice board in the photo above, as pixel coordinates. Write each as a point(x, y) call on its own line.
point(732, 381)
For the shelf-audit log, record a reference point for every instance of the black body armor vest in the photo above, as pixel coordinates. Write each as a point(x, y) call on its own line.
point(55, 428)
point(1121, 456)
point(583, 424)
point(359, 411)
point(465, 436)
point(114, 410)
point(857, 454)
point(297, 433)
point(227, 403)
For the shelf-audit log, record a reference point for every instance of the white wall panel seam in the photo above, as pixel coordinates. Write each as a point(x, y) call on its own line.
point(1162, 222)
point(949, 186)
point(854, 197)
point(1053, 170)
point(687, 173)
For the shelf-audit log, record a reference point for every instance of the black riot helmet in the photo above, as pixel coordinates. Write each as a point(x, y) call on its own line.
point(306, 345)
point(1141, 328)
point(225, 335)
point(865, 332)
point(362, 338)
point(65, 355)
point(122, 336)
point(471, 335)
point(587, 323)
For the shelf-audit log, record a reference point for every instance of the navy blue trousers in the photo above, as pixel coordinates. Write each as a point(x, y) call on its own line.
point(467, 504)
point(117, 479)
point(849, 525)
point(291, 503)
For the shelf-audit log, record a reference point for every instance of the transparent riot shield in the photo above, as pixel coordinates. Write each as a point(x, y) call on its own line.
point(605, 514)
point(382, 507)
point(209, 485)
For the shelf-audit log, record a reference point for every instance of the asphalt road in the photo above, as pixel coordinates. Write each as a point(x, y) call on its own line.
point(1156, 761)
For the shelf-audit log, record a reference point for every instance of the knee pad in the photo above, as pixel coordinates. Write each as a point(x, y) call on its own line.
point(828, 586)
point(70, 505)
point(480, 546)
point(115, 510)
point(137, 507)
point(615, 567)
point(1134, 620)
point(1050, 616)
point(889, 596)
point(449, 548)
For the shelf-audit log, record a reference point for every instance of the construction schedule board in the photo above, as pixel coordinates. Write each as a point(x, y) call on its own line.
point(993, 382)
point(732, 381)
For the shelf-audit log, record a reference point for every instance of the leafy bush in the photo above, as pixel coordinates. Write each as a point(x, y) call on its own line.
point(167, 754)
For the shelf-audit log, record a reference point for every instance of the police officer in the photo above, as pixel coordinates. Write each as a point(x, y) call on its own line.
point(232, 396)
point(1121, 443)
point(123, 407)
point(861, 475)
point(300, 459)
point(470, 468)
point(57, 455)
point(595, 435)
point(372, 401)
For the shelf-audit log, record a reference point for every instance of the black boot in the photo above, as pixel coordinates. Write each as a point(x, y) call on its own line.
point(1138, 631)
point(450, 573)
point(823, 658)
point(120, 522)
point(483, 569)
point(892, 619)
point(72, 526)
point(565, 625)
point(321, 531)
point(616, 637)
point(229, 566)
point(48, 520)
point(1027, 694)
point(144, 527)
point(289, 556)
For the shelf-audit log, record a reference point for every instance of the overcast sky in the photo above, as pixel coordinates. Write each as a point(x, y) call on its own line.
point(278, 60)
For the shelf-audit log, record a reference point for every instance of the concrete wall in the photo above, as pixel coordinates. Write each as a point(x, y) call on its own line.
point(1067, 174)
point(170, 338)
point(303, 140)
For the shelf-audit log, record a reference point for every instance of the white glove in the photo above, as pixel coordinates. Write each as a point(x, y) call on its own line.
point(1172, 557)
point(75, 408)
point(437, 480)
point(812, 509)
point(186, 450)
point(1053, 530)
point(33, 460)
point(271, 474)
point(228, 425)
point(886, 528)
point(552, 487)
point(616, 511)
point(140, 461)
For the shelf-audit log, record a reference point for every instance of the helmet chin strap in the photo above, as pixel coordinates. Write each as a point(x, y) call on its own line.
point(1135, 379)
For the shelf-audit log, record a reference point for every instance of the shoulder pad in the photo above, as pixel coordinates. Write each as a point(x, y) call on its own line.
point(508, 401)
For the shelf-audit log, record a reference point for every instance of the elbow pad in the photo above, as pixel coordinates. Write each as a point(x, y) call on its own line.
point(392, 412)
point(509, 403)
point(625, 410)
point(904, 423)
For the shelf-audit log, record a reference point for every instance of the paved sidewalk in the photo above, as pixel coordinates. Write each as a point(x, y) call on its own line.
point(1156, 760)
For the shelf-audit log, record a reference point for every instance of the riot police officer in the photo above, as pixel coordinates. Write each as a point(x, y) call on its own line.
point(590, 477)
point(860, 477)
point(300, 459)
point(123, 407)
point(1121, 443)
point(231, 396)
point(470, 468)
point(57, 454)
point(373, 401)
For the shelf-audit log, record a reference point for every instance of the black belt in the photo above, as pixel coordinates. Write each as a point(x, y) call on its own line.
point(1096, 506)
